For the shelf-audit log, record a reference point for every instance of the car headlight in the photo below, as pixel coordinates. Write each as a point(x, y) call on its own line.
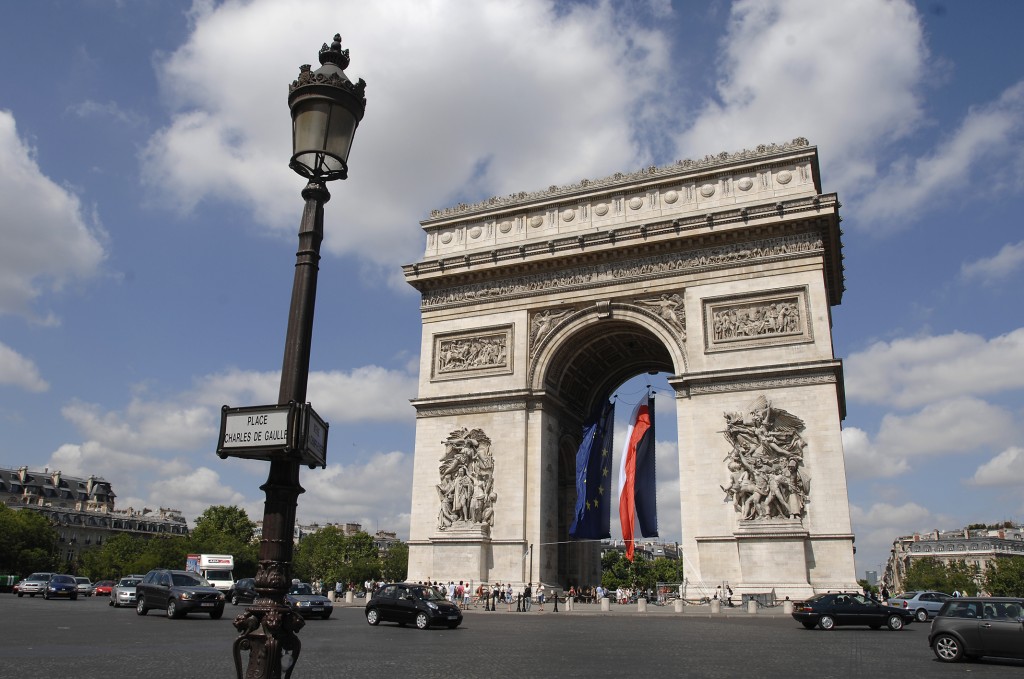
point(431, 605)
point(186, 595)
point(220, 596)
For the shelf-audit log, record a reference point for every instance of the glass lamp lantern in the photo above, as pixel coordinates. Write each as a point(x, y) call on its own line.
point(326, 109)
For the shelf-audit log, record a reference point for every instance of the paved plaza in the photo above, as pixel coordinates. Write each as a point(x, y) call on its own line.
point(87, 639)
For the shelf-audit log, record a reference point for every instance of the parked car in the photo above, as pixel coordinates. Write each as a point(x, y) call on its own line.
point(61, 586)
point(123, 593)
point(84, 586)
point(839, 608)
point(925, 605)
point(179, 593)
point(103, 587)
point(407, 603)
point(306, 603)
point(244, 591)
point(34, 584)
point(971, 627)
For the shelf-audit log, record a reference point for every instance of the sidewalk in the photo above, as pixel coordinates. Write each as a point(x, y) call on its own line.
point(668, 610)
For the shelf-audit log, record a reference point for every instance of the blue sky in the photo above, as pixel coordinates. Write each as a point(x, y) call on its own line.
point(148, 223)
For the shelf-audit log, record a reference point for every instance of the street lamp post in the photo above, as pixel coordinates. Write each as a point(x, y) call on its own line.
point(326, 108)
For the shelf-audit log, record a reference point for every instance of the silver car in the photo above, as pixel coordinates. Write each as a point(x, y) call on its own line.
point(925, 605)
point(84, 586)
point(34, 584)
point(123, 593)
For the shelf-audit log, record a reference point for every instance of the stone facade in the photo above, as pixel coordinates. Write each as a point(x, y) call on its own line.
point(976, 546)
point(720, 272)
point(82, 509)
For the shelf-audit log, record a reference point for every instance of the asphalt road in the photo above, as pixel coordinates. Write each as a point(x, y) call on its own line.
point(88, 639)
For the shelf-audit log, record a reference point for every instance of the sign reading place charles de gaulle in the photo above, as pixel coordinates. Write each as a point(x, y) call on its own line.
point(274, 432)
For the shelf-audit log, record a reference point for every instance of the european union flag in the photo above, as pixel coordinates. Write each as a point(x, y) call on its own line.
point(592, 519)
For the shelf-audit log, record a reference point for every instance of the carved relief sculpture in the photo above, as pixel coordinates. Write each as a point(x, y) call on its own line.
point(541, 324)
point(756, 320)
point(767, 477)
point(466, 490)
point(469, 353)
point(670, 308)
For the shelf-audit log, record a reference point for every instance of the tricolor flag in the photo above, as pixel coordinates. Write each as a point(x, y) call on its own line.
point(592, 519)
point(638, 502)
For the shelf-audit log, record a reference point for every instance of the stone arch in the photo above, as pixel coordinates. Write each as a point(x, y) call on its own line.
point(720, 272)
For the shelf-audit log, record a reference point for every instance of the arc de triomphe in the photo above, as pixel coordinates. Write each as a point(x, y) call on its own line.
point(720, 272)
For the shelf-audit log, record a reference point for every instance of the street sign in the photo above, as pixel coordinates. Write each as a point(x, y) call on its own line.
point(274, 432)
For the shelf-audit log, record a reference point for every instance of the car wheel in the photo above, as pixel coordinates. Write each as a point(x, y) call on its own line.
point(172, 609)
point(74, 597)
point(422, 621)
point(140, 607)
point(46, 595)
point(895, 623)
point(20, 594)
point(234, 599)
point(111, 603)
point(373, 616)
point(809, 625)
point(216, 615)
point(948, 648)
point(921, 615)
point(826, 622)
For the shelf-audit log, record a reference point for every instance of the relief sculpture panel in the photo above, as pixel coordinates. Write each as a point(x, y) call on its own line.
point(482, 353)
point(778, 318)
point(466, 489)
point(767, 476)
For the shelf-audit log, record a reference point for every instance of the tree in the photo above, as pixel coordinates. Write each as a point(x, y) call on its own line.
point(394, 565)
point(28, 542)
point(221, 520)
point(927, 573)
point(1005, 577)
point(329, 555)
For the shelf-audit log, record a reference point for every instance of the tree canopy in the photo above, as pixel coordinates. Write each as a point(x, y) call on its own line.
point(28, 542)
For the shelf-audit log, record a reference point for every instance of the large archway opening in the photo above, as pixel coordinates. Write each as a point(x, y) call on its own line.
point(621, 361)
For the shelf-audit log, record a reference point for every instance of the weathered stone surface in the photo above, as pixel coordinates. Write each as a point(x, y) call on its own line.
point(535, 307)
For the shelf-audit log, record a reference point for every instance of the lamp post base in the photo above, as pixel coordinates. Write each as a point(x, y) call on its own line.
point(268, 632)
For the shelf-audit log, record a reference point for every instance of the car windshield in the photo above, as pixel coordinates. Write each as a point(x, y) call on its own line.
point(65, 579)
point(302, 589)
point(128, 582)
point(427, 594)
point(218, 575)
point(83, 581)
point(906, 595)
point(186, 580)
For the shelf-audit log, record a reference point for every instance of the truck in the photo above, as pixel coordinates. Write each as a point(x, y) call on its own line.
point(217, 568)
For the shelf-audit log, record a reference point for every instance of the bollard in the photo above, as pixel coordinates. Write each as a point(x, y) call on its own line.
point(716, 606)
point(606, 605)
point(331, 596)
point(787, 607)
point(641, 605)
point(519, 603)
point(677, 605)
point(555, 597)
point(752, 607)
point(350, 597)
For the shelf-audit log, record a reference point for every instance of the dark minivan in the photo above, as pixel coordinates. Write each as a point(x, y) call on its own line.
point(179, 593)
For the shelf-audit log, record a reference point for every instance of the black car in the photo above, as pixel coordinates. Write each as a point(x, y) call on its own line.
point(244, 591)
point(406, 603)
point(840, 608)
point(970, 627)
point(179, 593)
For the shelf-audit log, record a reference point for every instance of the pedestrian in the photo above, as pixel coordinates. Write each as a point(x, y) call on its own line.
point(527, 595)
point(540, 597)
point(467, 593)
point(570, 598)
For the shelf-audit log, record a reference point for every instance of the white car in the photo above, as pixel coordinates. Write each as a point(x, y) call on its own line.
point(84, 586)
point(123, 593)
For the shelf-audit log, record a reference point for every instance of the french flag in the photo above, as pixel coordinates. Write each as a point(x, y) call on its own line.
point(638, 502)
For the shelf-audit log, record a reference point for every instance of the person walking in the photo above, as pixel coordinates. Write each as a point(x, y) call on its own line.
point(527, 596)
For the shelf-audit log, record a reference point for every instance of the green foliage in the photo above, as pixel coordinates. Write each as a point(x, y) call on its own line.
point(930, 573)
point(28, 542)
point(329, 556)
point(1005, 577)
point(864, 585)
point(618, 571)
point(218, 521)
point(394, 565)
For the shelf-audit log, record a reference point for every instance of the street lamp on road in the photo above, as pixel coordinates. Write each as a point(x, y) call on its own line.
point(326, 108)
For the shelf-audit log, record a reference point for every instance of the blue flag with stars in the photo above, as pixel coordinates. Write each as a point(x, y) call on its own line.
point(592, 519)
